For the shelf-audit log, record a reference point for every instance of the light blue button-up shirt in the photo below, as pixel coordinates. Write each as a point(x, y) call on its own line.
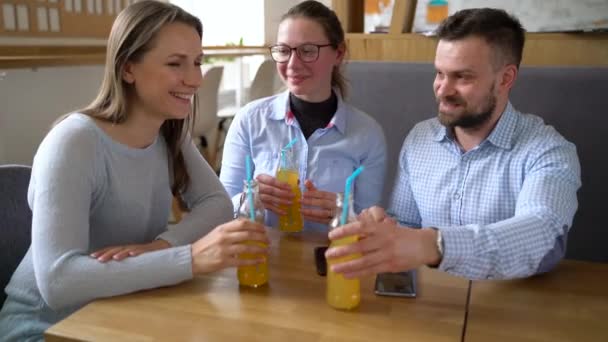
point(504, 208)
point(328, 157)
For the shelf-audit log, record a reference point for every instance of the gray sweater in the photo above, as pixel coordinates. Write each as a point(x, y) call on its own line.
point(87, 192)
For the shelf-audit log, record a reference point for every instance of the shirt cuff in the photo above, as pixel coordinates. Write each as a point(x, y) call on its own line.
point(457, 247)
point(183, 257)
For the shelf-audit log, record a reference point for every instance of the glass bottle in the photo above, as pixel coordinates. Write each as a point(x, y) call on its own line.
point(342, 293)
point(254, 275)
point(288, 172)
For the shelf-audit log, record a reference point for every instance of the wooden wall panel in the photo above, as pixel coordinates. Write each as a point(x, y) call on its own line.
point(76, 18)
point(403, 16)
point(350, 13)
point(391, 47)
point(541, 49)
point(582, 49)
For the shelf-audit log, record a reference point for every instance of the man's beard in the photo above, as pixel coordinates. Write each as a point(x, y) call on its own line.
point(469, 119)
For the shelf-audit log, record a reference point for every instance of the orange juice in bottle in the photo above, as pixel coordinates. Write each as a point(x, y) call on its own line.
point(288, 173)
point(254, 275)
point(342, 293)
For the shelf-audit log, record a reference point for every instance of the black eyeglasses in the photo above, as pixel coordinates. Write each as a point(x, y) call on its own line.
point(307, 53)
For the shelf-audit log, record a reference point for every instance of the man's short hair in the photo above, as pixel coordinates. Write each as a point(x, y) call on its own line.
point(503, 32)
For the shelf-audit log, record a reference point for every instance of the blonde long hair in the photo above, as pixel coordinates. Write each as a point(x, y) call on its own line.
point(133, 34)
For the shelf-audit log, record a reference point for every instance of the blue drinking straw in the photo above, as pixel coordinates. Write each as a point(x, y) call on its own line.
point(349, 182)
point(290, 144)
point(249, 193)
point(283, 159)
point(284, 149)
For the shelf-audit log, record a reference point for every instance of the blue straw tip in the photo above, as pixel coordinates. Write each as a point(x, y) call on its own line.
point(248, 168)
point(290, 144)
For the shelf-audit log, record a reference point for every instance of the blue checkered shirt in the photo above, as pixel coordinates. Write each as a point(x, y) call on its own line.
point(504, 208)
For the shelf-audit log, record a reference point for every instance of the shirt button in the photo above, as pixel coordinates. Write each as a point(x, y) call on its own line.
point(456, 195)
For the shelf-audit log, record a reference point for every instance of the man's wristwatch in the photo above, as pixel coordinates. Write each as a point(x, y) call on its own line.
point(439, 247)
point(439, 243)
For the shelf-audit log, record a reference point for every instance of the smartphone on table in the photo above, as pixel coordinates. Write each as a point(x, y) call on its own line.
point(320, 262)
point(400, 284)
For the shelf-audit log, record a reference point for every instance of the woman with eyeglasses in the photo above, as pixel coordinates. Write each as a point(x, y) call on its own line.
point(333, 137)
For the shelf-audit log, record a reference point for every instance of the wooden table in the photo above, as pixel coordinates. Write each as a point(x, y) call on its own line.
point(567, 304)
point(292, 308)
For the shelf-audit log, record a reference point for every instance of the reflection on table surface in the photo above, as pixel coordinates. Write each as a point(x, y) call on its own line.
point(569, 303)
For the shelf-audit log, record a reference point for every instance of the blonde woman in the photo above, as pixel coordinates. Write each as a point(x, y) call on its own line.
point(103, 179)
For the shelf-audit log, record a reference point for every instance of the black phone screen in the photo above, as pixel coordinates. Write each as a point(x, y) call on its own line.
point(401, 284)
point(320, 261)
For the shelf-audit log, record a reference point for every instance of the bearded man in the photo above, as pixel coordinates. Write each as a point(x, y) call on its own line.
point(483, 191)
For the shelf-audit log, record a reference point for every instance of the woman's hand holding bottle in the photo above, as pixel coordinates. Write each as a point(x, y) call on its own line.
point(318, 205)
point(274, 193)
point(220, 248)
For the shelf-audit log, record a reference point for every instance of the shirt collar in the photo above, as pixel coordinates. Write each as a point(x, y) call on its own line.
point(281, 111)
point(501, 135)
point(280, 106)
point(441, 132)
